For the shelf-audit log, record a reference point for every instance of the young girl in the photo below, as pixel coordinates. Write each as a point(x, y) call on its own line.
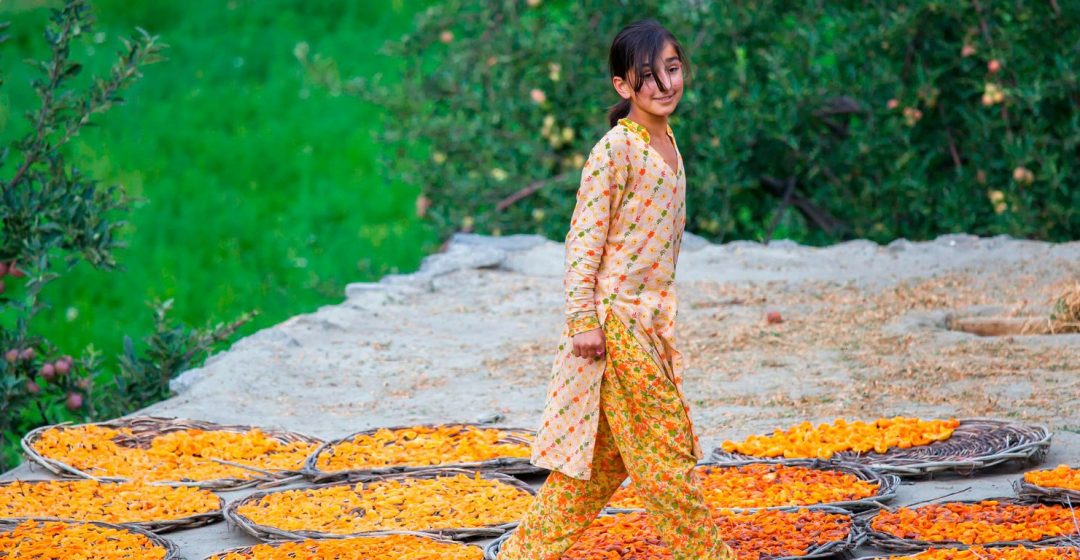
point(615, 404)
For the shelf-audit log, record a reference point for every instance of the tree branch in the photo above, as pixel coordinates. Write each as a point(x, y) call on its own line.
point(530, 189)
point(816, 215)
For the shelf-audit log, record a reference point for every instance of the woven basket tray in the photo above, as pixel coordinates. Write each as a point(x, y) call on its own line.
point(171, 550)
point(1063, 549)
point(892, 543)
point(268, 533)
point(164, 526)
point(1028, 491)
point(145, 428)
point(505, 465)
point(887, 484)
point(977, 443)
point(248, 549)
point(827, 550)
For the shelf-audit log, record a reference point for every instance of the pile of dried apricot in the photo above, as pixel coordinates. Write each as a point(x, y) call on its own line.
point(1062, 476)
point(183, 455)
point(988, 521)
point(825, 440)
point(752, 535)
point(766, 485)
point(1003, 553)
point(90, 500)
point(414, 504)
point(56, 539)
point(420, 446)
point(385, 547)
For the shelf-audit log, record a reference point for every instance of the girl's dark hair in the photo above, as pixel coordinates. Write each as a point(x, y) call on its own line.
point(634, 48)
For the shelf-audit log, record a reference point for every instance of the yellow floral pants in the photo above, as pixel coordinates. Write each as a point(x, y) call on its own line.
point(643, 431)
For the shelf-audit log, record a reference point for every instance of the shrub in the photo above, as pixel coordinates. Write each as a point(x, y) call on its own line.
point(52, 217)
point(886, 119)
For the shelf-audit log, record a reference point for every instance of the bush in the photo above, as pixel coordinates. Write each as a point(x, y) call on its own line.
point(53, 217)
point(886, 119)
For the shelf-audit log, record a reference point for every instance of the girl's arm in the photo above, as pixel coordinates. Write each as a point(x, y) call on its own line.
point(602, 183)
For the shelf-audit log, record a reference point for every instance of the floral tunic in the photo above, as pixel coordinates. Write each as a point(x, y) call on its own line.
point(621, 252)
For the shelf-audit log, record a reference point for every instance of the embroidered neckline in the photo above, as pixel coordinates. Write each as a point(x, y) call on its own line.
point(639, 129)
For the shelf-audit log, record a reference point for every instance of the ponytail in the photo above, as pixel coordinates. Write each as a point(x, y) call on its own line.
point(618, 111)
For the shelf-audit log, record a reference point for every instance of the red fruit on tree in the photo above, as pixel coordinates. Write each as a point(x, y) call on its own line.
point(14, 271)
point(774, 317)
point(27, 354)
point(62, 366)
point(3, 268)
point(48, 372)
point(83, 383)
point(32, 387)
point(993, 66)
point(74, 401)
point(11, 355)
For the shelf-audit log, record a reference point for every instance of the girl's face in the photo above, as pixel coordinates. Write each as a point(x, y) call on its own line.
point(650, 98)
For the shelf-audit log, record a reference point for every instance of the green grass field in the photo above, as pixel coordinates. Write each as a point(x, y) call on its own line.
point(262, 190)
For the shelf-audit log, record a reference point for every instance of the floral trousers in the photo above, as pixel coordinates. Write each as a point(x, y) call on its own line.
point(644, 432)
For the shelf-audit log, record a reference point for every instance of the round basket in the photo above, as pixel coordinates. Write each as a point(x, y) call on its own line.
point(163, 526)
point(1063, 550)
point(977, 443)
point(1028, 491)
point(887, 484)
point(504, 465)
point(827, 550)
point(171, 550)
point(243, 550)
point(269, 533)
point(892, 543)
point(146, 428)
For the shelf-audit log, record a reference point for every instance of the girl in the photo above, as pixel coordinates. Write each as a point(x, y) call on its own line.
point(615, 404)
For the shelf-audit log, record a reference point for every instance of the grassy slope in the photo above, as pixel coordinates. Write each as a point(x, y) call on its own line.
point(262, 189)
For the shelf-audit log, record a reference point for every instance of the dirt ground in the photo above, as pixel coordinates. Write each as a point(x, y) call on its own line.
point(865, 333)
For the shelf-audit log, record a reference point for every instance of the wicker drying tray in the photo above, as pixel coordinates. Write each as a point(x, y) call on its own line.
point(977, 443)
point(145, 428)
point(171, 550)
point(1063, 549)
point(827, 550)
point(504, 465)
point(164, 526)
point(248, 549)
point(892, 543)
point(270, 534)
point(1028, 491)
point(887, 483)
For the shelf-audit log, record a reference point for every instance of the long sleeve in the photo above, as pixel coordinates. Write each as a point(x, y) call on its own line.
point(603, 180)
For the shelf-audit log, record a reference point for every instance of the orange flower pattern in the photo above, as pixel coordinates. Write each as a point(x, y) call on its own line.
point(621, 253)
point(642, 430)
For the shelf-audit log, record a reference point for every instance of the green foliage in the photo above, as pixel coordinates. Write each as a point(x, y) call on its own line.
point(875, 112)
point(53, 217)
point(255, 189)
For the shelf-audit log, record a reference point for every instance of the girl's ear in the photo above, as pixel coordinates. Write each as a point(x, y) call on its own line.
point(622, 87)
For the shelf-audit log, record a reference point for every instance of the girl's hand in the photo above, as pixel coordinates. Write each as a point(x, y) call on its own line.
point(589, 344)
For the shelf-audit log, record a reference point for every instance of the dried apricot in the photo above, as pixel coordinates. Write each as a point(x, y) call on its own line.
point(90, 500)
point(807, 441)
point(422, 446)
point(766, 485)
point(413, 504)
point(385, 547)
